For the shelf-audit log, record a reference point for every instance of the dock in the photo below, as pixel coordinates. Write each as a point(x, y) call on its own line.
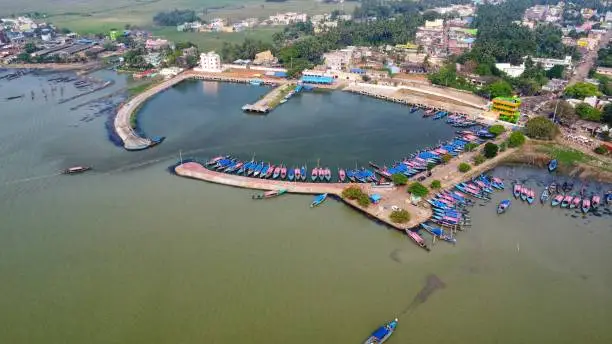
point(381, 211)
point(269, 101)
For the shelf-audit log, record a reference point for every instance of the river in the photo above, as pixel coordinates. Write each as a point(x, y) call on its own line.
point(132, 254)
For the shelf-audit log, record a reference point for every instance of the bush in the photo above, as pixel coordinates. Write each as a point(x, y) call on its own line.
point(600, 150)
point(541, 128)
point(503, 146)
point(479, 159)
point(399, 179)
point(516, 139)
point(446, 158)
point(581, 90)
point(418, 189)
point(587, 112)
point(363, 200)
point(490, 150)
point(352, 192)
point(497, 129)
point(470, 146)
point(464, 167)
point(435, 184)
point(400, 216)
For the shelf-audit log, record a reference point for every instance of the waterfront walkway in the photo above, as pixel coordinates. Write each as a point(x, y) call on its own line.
point(396, 196)
point(269, 101)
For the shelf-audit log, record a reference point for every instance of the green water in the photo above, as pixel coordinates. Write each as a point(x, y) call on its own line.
point(132, 254)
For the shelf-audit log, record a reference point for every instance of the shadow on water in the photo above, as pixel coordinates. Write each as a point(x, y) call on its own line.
point(432, 283)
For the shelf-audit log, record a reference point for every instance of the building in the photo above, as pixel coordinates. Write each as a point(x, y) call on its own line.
point(317, 77)
point(604, 71)
point(339, 59)
point(506, 108)
point(154, 59)
point(434, 24)
point(210, 62)
point(288, 18)
point(549, 63)
point(156, 44)
point(555, 85)
point(170, 72)
point(265, 58)
point(511, 70)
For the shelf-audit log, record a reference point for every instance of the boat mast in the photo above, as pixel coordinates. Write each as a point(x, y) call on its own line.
point(181, 156)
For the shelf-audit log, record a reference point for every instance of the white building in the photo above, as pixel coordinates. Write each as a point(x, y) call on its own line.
point(210, 62)
point(549, 63)
point(512, 71)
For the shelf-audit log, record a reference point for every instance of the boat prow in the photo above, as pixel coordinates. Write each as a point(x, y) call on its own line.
point(318, 200)
point(382, 333)
point(76, 169)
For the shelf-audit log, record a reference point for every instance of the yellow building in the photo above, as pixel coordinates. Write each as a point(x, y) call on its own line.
point(582, 42)
point(507, 108)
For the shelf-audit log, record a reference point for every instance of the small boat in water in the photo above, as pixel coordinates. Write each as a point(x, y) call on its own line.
point(314, 174)
point(524, 192)
point(544, 196)
point(552, 165)
point(291, 174)
point(303, 172)
point(318, 200)
point(341, 175)
point(382, 333)
point(215, 160)
point(609, 197)
point(566, 201)
point(557, 200)
point(503, 206)
point(283, 172)
point(517, 190)
point(270, 194)
point(586, 205)
point(575, 202)
point(595, 201)
point(277, 171)
point(327, 174)
point(76, 169)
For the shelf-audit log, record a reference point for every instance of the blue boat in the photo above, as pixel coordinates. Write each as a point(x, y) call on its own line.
point(303, 172)
point(382, 333)
point(291, 174)
point(264, 171)
point(552, 165)
point(503, 206)
point(318, 200)
point(439, 233)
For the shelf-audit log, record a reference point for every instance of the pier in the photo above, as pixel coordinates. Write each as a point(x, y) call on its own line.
point(269, 101)
point(396, 196)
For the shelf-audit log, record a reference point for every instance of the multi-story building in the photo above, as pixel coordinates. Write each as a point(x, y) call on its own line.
point(156, 44)
point(210, 62)
point(507, 108)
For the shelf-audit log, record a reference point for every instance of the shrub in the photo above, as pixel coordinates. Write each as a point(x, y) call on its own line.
point(479, 159)
point(470, 146)
point(490, 150)
point(399, 179)
point(464, 167)
point(600, 150)
point(587, 112)
point(400, 216)
point(541, 128)
point(446, 158)
point(516, 139)
point(363, 200)
point(435, 184)
point(503, 146)
point(418, 189)
point(497, 129)
point(352, 192)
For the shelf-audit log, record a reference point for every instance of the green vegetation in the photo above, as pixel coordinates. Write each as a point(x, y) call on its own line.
point(400, 216)
point(503, 146)
point(207, 41)
point(600, 150)
point(446, 158)
point(436, 184)
point(479, 159)
point(470, 146)
point(490, 150)
point(418, 189)
point(581, 90)
point(464, 167)
point(137, 89)
point(604, 56)
point(399, 179)
point(541, 128)
point(447, 76)
point(175, 17)
point(499, 88)
point(607, 114)
point(355, 193)
point(587, 112)
point(497, 129)
point(516, 139)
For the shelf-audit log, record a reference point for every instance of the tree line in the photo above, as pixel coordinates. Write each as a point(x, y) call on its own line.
point(175, 17)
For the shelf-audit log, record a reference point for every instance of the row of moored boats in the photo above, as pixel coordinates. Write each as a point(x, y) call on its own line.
point(561, 196)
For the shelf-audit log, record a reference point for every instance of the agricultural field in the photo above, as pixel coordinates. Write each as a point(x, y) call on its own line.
point(207, 41)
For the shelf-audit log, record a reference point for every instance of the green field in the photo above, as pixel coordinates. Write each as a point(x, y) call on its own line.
point(207, 41)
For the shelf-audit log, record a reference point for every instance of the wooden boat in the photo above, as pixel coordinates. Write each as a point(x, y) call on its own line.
point(524, 191)
point(503, 206)
point(318, 200)
point(609, 197)
point(303, 172)
point(277, 171)
point(264, 171)
point(283, 172)
point(552, 165)
point(270, 194)
point(258, 169)
point(575, 202)
point(517, 190)
point(544, 196)
point(382, 333)
point(270, 171)
point(566, 201)
point(291, 174)
point(297, 173)
point(215, 160)
point(418, 240)
point(586, 205)
point(314, 174)
point(595, 201)
point(557, 200)
point(15, 97)
point(76, 169)
point(341, 175)
point(327, 174)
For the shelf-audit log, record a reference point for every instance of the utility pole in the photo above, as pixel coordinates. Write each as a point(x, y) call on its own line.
point(555, 113)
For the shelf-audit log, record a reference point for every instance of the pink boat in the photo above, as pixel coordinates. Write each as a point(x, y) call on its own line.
point(595, 201)
point(557, 200)
point(283, 172)
point(417, 239)
point(341, 175)
point(270, 171)
point(575, 202)
point(297, 173)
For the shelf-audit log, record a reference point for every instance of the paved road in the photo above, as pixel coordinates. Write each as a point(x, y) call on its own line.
point(582, 70)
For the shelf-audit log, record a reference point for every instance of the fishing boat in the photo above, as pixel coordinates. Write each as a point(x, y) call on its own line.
point(76, 169)
point(264, 171)
point(552, 165)
point(283, 172)
point(257, 169)
point(270, 194)
point(327, 174)
point(318, 200)
point(575, 202)
point(524, 192)
point(552, 188)
point(517, 190)
point(566, 201)
point(215, 160)
point(418, 240)
point(609, 197)
point(277, 171)
point(586, 205)
point(595, 201)
point(291, 174)
point(557, 200)
point(341, 175)
point(283, 101)
point(303, 172)
point(314, 174)
point(503, 206)
point(382, 333)
point(270, 171)
point(544, 196)
point(298, 174)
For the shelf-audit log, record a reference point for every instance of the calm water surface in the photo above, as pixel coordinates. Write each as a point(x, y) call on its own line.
point(132, 254)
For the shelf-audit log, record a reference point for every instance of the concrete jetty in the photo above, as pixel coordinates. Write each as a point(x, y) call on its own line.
point(395, 196)
point(269, 101)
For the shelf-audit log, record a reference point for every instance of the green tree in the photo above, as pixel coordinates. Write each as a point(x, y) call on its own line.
point(541, 128)
point(497, 129)
point(581, 90)
point(470, 146)
point(503, 146)
point(587, 112)
point(363, 200)
point(479, 159)
point(418, 189)
point(435, 184)
point(399, 179)
point(446, 158)
point(464, 167)
point(30, 47)
point(556, 72)
point(352, 192)
point(490, 150)
point(607, 114)
point(600, 150)
point(500, 88)
point(516, 139)
point(400, 216)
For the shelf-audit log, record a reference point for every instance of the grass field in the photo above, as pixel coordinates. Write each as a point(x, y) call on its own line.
point(207, 41)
